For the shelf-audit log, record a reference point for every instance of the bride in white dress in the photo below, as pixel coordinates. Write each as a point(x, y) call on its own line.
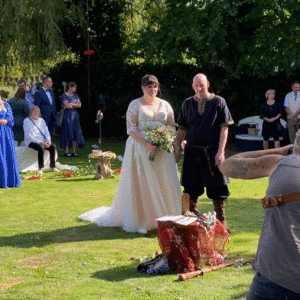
point(147, 189)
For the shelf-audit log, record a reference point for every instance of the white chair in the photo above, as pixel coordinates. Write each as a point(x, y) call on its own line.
point(28, 159)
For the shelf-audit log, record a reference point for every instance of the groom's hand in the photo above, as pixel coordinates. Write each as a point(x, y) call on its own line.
point(177, 154)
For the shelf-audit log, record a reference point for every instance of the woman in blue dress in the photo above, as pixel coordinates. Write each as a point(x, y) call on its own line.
point(9, 170)
point(71, 133)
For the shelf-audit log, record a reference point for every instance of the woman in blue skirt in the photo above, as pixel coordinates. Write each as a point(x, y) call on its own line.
point(71, 133)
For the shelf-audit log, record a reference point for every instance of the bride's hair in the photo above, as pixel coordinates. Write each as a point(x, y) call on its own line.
point(149, 79)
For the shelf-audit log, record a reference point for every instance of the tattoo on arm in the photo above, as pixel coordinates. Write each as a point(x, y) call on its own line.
point(238, 169)
point(249, 168)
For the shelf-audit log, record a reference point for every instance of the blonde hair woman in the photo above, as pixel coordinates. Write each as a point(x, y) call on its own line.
point(270, 112)
point(9, 170)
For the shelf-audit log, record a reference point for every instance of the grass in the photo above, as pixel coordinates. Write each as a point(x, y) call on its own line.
point(46, 252)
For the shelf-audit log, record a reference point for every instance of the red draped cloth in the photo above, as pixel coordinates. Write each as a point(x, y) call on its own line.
point(189, 248)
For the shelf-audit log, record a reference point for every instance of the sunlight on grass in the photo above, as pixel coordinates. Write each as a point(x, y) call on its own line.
point(48, 253)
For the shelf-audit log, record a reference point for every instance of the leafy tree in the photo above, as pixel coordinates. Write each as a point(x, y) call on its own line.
point(253, 37)
point(37, 34)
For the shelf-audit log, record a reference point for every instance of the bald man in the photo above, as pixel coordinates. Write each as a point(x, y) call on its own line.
point(203, 122)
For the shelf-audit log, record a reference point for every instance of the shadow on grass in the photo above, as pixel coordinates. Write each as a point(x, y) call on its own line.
point(120, 273)
point(240, 221)
point(127, 272)
point(90, 232)
point(70, 180)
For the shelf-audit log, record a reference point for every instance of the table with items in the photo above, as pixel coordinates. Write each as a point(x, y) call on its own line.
point(190, 247)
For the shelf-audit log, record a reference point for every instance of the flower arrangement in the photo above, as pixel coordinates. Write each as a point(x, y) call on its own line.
point(34, 177)
point(64, 175)
point(162, 137)
point(67, 174)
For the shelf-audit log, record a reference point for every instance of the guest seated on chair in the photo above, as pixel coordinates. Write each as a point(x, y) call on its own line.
point(37, 137)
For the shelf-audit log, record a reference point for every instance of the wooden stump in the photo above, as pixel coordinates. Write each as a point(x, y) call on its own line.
point(103, 169)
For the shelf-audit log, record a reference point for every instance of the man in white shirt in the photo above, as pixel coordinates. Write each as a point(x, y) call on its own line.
point(292, 108)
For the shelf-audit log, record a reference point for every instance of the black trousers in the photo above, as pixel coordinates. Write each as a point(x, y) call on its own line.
point(51, 127)
point(41, 149)
point(214, 193)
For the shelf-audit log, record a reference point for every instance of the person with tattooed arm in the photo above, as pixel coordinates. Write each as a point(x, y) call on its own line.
point(277, 260)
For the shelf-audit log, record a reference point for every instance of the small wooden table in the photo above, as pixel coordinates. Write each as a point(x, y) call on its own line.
point(103, 169)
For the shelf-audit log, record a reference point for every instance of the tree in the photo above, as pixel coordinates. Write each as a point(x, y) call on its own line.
point(253, 37)
point(38, 34)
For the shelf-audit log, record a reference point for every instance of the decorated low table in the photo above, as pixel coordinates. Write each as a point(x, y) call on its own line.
point(103, 169)
point(191, 247)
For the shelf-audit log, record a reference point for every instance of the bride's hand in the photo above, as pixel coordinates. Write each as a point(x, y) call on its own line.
point(151, 148)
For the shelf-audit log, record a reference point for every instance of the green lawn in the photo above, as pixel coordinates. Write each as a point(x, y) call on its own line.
point(46, 252)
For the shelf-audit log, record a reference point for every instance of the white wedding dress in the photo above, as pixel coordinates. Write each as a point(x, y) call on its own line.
point(147, 190)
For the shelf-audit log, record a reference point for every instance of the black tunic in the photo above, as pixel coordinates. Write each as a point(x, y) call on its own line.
point(203, 130)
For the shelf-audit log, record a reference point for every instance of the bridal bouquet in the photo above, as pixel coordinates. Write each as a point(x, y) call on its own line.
point(162, 137)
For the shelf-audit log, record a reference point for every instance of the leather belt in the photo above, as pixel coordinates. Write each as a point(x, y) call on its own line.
point(204, 148)
point(280, 200)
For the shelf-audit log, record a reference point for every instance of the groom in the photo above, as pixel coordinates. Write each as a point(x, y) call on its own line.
point(203, 122)
point(45, 100)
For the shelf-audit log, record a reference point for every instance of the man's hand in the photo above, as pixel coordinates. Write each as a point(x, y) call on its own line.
point(285, 149)
point(219, 158)
point(177, 154)
point(294, 116)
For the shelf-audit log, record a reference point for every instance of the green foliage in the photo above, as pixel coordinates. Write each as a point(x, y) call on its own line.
point(252, 37)
point(30, 29)
point(4, 94)
point(37, 35)
point(233, 42)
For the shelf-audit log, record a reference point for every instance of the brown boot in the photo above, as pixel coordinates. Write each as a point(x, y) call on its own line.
point(194, 207)
point(219, 208)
